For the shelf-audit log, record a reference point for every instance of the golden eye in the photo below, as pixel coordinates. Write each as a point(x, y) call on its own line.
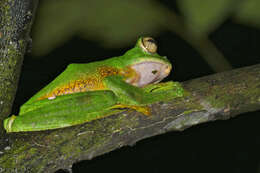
point(149, 45)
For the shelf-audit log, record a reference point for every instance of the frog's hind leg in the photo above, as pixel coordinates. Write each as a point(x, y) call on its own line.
point(63, 112)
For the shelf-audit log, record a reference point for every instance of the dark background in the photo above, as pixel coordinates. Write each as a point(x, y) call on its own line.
point(222, 146)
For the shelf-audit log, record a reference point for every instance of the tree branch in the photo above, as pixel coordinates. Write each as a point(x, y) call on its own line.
point(15, 24)
point(218, 96)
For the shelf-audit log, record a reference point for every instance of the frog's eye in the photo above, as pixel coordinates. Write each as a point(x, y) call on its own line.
point(154, 71)
point(149, 45)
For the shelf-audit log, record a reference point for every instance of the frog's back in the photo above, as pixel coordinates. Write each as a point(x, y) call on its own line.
point(76, 78)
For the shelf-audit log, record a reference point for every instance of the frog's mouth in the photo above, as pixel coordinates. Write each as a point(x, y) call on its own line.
point(149, 72)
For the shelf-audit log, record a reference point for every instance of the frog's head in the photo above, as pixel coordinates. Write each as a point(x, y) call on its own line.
point(148, 66)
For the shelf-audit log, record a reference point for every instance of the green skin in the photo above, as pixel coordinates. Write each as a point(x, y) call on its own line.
point(118, 91)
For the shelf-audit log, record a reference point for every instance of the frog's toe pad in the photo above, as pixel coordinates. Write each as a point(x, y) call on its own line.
point(8, 123)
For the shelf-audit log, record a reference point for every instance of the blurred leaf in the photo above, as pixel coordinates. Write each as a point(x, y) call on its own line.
point(204, 16)
point(113, 22)
point(249, 13)
point(116, 23)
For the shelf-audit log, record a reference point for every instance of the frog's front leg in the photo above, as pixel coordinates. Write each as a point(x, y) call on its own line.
point(137, 98)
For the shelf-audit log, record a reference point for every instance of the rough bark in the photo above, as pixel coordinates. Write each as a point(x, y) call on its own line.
point(219, 96)
point(15, 24)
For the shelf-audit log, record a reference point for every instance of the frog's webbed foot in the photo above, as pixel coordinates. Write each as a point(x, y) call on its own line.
point(143, 109)
point(161, 92)
point(164, 86)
